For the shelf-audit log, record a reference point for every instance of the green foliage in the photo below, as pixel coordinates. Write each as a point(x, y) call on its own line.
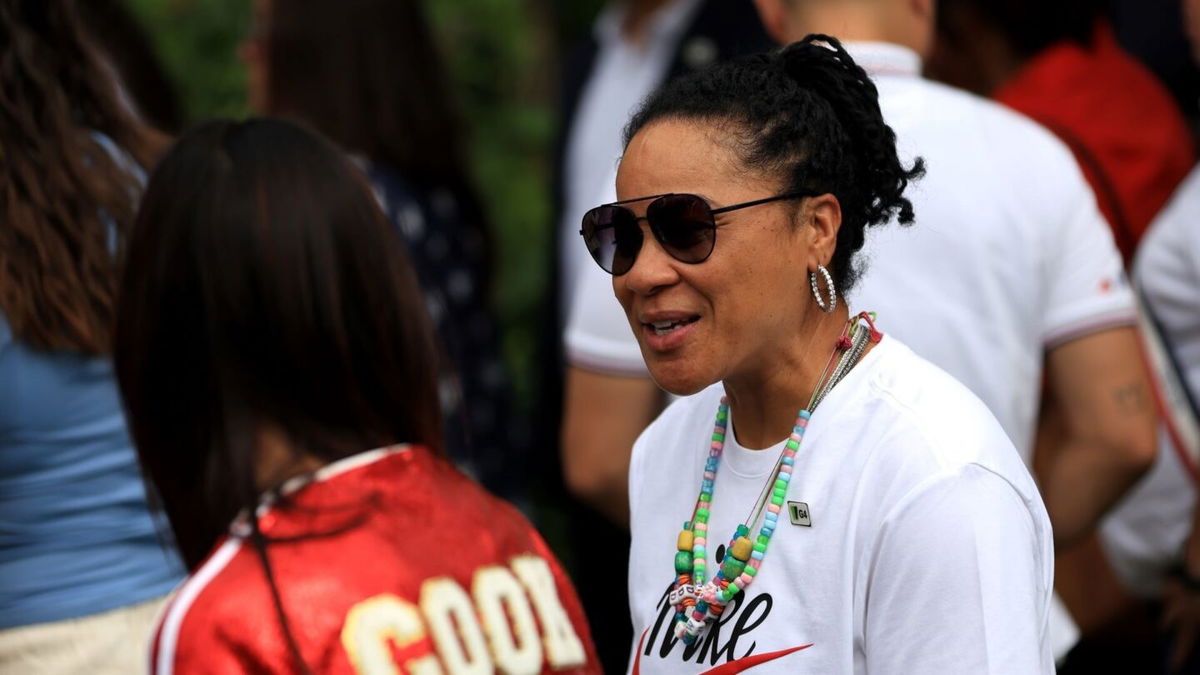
point(197, 41)
point(497, 53)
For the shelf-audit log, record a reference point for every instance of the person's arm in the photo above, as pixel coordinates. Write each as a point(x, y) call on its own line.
point(603, 416)
point(1102, 398)
point(610, 398)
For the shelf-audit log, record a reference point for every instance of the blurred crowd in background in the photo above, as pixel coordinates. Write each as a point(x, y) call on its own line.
point(486, 129)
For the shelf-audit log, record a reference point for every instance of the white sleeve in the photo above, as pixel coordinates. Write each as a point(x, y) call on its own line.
point(598, 336)
point(1087, 290)
point(960, 581)
point(1167, 265)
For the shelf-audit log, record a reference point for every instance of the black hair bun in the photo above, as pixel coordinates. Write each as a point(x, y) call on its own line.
point(820, 63)
point(820, 57)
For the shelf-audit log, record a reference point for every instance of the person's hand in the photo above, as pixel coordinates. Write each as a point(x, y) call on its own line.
point(1181, 617)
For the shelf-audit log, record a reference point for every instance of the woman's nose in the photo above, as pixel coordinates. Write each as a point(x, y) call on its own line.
point(653, 268)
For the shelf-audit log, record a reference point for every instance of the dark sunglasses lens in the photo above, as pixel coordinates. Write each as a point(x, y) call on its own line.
point(613, 237)
point(684, 225)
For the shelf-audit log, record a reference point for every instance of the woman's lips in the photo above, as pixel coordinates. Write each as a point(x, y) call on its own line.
point(667, 334)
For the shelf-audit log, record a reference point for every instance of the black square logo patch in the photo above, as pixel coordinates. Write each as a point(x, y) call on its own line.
point(799, 513)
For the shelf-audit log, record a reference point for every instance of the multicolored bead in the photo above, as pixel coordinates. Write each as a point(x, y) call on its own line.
point(701, 600)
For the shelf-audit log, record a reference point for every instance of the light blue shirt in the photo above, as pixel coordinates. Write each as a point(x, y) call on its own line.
point(76, 535)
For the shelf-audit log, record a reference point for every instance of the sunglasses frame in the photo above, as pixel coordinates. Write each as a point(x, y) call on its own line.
point(657, 233)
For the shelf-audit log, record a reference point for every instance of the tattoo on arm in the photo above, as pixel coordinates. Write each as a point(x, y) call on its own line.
point(1132, 398)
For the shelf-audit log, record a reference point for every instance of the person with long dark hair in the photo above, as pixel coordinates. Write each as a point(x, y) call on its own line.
point(82, 571)
point(275, 360)
point(367, 74)
point(823, 500)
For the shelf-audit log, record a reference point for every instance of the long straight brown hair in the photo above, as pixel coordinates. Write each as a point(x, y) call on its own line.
point(263, 285)
point(65, 199)
point(368, 75)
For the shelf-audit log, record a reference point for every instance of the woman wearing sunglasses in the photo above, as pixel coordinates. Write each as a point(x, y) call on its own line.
point(823, 500)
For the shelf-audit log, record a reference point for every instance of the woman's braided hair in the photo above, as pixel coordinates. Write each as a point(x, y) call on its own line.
point(808, 113)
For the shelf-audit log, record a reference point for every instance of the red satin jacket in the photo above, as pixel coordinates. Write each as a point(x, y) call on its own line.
point(389, 561)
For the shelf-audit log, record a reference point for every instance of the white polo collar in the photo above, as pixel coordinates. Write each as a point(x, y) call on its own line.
point(885, 58)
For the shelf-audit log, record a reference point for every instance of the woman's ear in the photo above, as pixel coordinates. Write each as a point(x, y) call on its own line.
point(823, 218)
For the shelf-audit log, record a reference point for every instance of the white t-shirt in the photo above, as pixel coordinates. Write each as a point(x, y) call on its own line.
point(929, 549)
point(1009, 253)
point(1145, 533)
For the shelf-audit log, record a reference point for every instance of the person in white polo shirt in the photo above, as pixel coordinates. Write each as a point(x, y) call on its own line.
point(1009, 272)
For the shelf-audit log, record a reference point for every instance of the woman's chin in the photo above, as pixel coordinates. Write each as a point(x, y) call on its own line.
point(677, 380)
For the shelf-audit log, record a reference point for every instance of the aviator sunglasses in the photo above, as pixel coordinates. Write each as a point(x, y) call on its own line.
point(684, 225)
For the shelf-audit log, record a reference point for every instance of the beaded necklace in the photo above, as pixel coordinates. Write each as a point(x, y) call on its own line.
point(697, 601)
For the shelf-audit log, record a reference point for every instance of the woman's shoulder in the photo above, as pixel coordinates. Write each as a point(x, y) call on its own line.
point(907, 377)
point(907, 427)
point(415, 527)
point(919, 409)
point(441, 231)
point(385, 521)
point(388, 181)
point(415, 486)
point(225, 596)
point(400, 196)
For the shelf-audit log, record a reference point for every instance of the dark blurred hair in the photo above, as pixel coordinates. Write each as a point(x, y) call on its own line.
point(809, 114)
point(1029, 26)
point(367, 74)
point(125, 42)
point(65, 198)
point(263, 285)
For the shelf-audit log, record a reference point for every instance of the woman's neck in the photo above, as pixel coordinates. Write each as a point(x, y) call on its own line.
point(278, 460)
point(765, 402)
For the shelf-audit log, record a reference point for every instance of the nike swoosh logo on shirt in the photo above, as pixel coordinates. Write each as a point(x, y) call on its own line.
point(748, 662)
point(731, 668)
